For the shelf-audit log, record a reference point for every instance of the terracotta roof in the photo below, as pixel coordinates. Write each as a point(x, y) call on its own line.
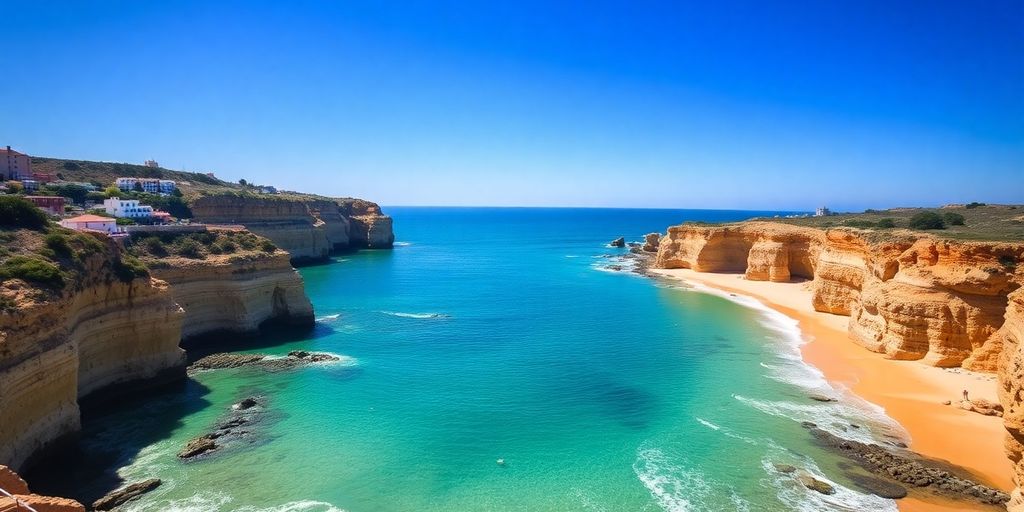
point(89, 218)
point(13, 152)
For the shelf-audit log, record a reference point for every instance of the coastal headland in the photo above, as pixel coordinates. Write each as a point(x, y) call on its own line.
point(904, 319)
point(85, 315)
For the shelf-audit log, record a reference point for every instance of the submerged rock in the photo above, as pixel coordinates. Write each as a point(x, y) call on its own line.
point(294, 359)
point(198, 446)
point(618, 242)
point(125, 494)
point(784, 468)
point(808, 481)
point(822, 398)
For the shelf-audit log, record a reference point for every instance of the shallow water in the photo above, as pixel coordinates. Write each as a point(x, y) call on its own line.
point(493, 334)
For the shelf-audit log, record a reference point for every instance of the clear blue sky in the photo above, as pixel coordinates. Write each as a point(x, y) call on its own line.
point(852, 104)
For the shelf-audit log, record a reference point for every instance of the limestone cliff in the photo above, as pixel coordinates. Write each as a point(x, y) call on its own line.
point(236, 293)
point(309, 229)
point(908, 296)
point(104, 328)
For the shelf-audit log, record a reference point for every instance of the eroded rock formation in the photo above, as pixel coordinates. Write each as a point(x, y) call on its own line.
point(908, 296)
point(237, 294)
point(308, 229)
point(13, 484)
point(102, 331)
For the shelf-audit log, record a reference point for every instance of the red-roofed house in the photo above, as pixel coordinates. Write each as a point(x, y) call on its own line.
point(54, 205)
point(14, 165)
point(91, 223)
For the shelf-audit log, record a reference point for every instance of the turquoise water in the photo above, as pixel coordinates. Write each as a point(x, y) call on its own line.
point(493, 334)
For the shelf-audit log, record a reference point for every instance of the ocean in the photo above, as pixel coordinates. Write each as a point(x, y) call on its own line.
point(496, 359)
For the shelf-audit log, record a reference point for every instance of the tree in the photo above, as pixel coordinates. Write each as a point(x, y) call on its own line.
point(76, 193)
point(927, 220)
point(16, 212)
point(242, 182)
point(112, 191)
point(138, 186)
point(886, 223)
point(953, 219)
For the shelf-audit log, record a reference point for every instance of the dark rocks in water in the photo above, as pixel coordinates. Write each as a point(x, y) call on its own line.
point(198, 446)
point(909, 471)
point(125, 494)
point(247, 403)
point(808, 424)
point(879, 487)
point(822, 398)
point(294, 359)
point(618, 242)
point(784, 468)
point(808, 481)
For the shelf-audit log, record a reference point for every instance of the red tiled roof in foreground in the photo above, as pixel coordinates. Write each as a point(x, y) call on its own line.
point(89, 218)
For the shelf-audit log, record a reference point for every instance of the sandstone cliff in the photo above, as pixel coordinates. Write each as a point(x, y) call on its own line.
point(104, 328)
point(908, 296)
point(13, 484)
point(309, 229)
point(236, 293)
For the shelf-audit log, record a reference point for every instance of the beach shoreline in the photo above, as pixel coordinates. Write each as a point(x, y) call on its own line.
point(911, 393)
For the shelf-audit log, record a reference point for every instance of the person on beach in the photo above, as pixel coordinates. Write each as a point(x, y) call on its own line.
point(965, 396)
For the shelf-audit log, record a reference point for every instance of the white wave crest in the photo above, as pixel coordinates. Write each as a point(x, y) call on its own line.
point(797, 497)
point(420, 316)
point(328, 318)
point(708, 424)
point(677, 488)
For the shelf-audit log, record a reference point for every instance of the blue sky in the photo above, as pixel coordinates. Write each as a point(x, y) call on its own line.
point(635, 104)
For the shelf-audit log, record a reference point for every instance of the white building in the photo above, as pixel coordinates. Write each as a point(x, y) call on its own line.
point(152, 163)
point(91, 223)
point(129, 208)
point(151, 185)
point(822, 212)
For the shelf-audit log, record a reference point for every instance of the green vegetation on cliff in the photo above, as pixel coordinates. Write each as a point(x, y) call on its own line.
point(974, 221)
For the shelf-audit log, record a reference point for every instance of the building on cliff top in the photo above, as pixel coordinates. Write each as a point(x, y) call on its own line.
point(14, 165)
point(92, 223)
point(54, 205)
point(822, 211)
point(151, 163)
point(129, 208)
point(151, 185)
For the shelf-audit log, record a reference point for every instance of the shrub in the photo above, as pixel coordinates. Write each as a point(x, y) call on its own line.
point(154, 246)
point(58, 242)
point(189, 248)
point(33, 270)
point(268, 246)
point(127, 268)
point(125, 221)
point(953, 219)
point(223, 246)
point(886, 223)
point(927, 220)
point(854, 223)
point(16, 212)
point(973, 204)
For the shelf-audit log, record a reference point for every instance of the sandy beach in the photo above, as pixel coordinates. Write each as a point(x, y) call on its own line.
point(911, 393)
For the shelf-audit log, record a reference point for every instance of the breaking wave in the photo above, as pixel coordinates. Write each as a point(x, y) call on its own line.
point(420, 316)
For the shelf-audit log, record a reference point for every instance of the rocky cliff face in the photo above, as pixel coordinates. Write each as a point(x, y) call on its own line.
point(102, 330)
point(308, 229)
point(945, 303)
point(12, 483)
point(237, 293)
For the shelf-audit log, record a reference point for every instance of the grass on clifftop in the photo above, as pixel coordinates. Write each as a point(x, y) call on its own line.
point(159, 250)
point(39, 260)
point(997, 223)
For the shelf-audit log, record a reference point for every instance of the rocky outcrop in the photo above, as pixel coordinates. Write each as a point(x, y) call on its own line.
point(308, 229)
point(13, 484)
point(294, 359)
point(237, 293)
point(908, 296)
point(369, 227)
point(125, 494)
point(651, 241)
point(1011, 389)
point(103, 330)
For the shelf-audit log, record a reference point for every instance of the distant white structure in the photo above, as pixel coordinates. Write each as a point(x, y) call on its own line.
point(267, 189)
point(151, 185)
point(151, 163)
point(822, 212)
point(129, 208)
point(91, 223)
